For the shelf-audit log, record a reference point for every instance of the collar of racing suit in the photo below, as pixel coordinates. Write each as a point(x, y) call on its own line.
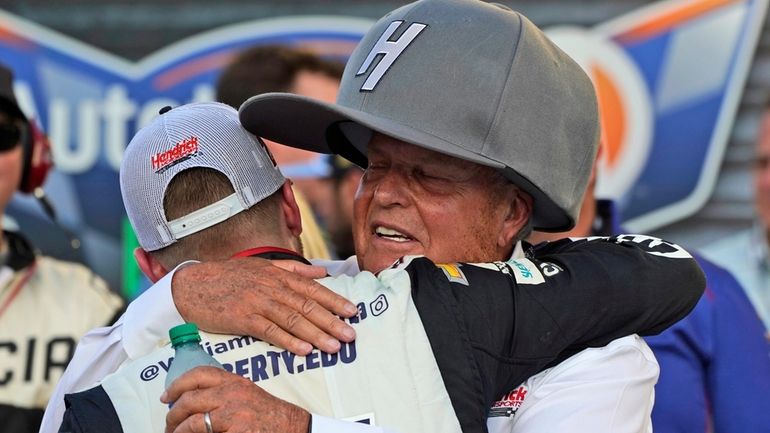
point(21, 254)
point(272, 253)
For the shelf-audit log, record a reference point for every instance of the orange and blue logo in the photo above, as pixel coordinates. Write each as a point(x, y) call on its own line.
point(669, 78)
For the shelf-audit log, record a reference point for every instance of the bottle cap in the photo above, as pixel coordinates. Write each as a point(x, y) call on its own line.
point(184, 333)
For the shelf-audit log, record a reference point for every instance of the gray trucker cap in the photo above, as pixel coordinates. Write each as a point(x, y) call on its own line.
point(204, 134)
point(466, 78)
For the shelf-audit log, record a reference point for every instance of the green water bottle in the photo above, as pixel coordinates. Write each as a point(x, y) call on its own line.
point(188, 353)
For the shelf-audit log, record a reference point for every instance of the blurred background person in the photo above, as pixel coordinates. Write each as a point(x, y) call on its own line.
point(714, 363)
point(46, 305)
point(345, 178)
point(278, 68)
point(746, 254)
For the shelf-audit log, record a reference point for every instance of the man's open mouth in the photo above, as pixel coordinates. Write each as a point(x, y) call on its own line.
point(390, 234)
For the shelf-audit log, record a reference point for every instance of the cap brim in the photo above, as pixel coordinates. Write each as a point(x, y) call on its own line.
point(275, 116)
point(305, 123)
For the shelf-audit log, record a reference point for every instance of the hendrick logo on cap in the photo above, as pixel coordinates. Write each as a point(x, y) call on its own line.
point(182, 151)
point(390, 50)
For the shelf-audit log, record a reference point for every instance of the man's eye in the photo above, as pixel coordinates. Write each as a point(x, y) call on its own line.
point(429, 175)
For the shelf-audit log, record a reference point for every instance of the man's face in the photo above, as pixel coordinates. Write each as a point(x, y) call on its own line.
point(762, 172)
point(414, 201)
point(10, 167)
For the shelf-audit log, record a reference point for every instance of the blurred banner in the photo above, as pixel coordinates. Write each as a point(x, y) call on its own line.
point(91, 103)
point(669, 77)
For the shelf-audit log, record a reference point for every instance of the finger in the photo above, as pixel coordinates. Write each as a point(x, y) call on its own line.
point(197, 378)
point(305, 270)
point(187, 406)
point(289, 329)
point(321, 294)
point(316, 309)
point(269, 331)
point(192, 424)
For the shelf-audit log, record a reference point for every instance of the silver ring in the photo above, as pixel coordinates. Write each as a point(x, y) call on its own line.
point(207, 421)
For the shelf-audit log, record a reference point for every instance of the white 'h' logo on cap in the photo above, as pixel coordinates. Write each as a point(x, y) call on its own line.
point(391, 50)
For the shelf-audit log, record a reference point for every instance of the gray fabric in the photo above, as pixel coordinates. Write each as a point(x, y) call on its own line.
point(222, 144)
point(480, 82)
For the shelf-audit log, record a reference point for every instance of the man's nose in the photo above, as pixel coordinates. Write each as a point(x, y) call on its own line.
point(392, 188)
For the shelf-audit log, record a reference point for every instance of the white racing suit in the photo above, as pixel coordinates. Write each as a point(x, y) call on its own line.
point(437, 345)
point(46, 305)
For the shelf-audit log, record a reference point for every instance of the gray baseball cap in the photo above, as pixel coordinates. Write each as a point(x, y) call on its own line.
point(204, 134)
point(466, 78)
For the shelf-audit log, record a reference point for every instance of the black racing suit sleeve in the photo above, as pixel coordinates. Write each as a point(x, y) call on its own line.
point(90, 411)
point(491, 334)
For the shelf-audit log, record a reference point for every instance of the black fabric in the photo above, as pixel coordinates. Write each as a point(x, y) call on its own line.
point(90, 411)
point(492, 334)
point(21, 253)
point(14, 419)
point(282, 255)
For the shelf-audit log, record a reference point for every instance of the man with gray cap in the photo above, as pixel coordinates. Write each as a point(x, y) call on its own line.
point(473, 128)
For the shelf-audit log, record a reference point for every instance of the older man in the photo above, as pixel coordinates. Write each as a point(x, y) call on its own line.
point(477, 128)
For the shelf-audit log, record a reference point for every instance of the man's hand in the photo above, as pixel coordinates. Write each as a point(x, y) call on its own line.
point(234, 404)
point(275, 302)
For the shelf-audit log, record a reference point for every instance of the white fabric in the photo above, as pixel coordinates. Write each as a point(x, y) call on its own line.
point(388, 376)
point(142, 328)
point(206, 217)
point(599, 390)
point(112, 347)
point(746, 256)
point(326, 424)
point(48, 308)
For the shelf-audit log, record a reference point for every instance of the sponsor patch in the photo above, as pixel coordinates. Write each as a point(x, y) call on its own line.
point(526, 272)
point(509, 404)
point(649, 244)
point(453, 273)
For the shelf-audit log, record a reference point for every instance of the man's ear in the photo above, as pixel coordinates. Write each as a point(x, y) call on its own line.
point(150, 267)
point(519, 213)
point(290, 209)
